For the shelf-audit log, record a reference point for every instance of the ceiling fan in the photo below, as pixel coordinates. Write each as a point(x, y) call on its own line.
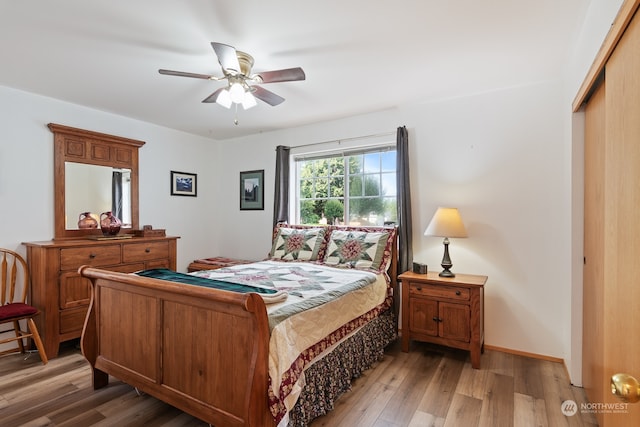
point(242, 86)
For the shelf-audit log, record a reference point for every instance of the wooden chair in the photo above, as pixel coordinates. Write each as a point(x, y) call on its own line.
point(14, 287)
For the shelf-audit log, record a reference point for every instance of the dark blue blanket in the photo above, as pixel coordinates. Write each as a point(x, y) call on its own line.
point(174, 276)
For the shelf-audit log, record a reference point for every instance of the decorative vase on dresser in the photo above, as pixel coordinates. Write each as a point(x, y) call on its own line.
point(63, 296)
point(109, 224)
point(87, 221)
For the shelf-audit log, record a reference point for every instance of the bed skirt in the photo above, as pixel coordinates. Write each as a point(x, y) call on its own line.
point(328, 378)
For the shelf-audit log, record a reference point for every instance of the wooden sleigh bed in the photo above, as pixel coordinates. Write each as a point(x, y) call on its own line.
point(207, 351)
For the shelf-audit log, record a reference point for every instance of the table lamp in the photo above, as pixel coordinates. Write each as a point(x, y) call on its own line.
point(446, 222)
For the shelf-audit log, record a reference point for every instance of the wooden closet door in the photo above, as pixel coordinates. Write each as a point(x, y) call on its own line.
point(593, 378)
point(622, 218)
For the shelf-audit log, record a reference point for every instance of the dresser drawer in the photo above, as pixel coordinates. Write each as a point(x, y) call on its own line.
point(158, 263)
point(145, 251)
point(439, 291)
point(72, 258)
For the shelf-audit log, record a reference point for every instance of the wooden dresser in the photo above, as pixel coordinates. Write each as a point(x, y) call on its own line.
point(62, 296)
point(444, 310)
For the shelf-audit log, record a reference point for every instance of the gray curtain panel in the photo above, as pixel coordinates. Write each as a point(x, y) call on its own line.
point(405, 241)
point(116, 195)
point(281, 191)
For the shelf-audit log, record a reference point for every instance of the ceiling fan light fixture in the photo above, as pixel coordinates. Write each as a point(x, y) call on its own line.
point(249, 101)
point(236, 91)
point(224, 99)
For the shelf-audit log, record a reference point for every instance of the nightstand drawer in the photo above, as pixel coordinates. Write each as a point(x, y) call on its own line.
point(439, 291)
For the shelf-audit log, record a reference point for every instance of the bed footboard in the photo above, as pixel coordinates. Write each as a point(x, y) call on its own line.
point(202, 350)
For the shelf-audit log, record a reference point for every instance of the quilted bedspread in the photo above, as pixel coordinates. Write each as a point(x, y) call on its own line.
point(323, 306)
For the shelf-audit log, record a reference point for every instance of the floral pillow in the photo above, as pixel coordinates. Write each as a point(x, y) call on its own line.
point(356, 249)
point(297, 244)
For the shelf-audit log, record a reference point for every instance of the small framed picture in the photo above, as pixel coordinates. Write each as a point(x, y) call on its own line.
point(184, 184)
point(252, 190)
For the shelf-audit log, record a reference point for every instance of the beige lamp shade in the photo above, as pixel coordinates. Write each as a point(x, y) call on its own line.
point(446, 222)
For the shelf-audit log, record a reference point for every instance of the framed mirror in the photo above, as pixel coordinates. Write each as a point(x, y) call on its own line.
point(93, 173)
point(92, 189)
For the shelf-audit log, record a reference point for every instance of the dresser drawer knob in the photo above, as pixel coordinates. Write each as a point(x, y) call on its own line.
point(419, 288)
point(92, 256)
point(147, 250)
point(458, 293)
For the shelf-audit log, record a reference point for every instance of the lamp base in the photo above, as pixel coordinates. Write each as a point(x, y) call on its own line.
point(446, 273)
point(446, 261)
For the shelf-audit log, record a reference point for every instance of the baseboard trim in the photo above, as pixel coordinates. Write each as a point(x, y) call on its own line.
point(520, 353)
point(524, 353)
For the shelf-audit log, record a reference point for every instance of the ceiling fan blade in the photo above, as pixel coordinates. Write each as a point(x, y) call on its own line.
point(266, 96)
point(183, 74)
point(227, 57)
point(286, 75)
point(214, 96)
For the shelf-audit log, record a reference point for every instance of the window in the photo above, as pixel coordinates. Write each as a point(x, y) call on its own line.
point(352, 188)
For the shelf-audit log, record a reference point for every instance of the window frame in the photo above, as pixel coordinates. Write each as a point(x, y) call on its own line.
point(311, 152)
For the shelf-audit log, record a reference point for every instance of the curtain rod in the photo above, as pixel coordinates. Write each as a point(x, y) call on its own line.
point(354, 138)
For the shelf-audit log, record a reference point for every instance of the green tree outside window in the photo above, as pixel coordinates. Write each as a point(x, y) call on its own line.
point(352, 189)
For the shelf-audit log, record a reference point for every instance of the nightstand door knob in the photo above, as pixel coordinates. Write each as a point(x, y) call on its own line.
point(437, 319)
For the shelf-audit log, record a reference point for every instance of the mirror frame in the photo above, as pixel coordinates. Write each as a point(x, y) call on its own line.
point(94, 148)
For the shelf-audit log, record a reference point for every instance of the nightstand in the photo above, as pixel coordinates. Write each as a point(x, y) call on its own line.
point(444, 310)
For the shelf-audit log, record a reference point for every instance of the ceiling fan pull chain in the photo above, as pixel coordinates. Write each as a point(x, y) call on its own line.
point(235, 120)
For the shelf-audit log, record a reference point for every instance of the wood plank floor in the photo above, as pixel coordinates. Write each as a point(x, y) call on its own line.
point(429, 386)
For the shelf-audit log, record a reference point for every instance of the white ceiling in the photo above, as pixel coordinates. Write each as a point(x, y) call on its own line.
point(359, 56)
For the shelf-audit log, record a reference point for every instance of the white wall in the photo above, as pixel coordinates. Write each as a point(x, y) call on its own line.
point(500, 158)
point(26, 173)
